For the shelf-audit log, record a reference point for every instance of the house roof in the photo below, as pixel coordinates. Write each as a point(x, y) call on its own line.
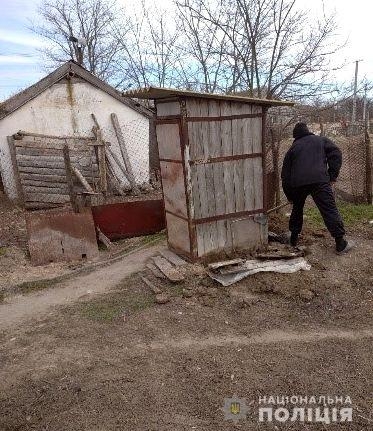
point(68, 69)
point(166, 93)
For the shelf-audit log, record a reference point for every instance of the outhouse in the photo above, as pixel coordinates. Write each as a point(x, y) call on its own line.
point(212, 169)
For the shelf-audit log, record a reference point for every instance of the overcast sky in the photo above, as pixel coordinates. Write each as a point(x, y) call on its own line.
point(20, 65)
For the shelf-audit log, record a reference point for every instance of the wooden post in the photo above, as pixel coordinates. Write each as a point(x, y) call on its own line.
point(101, 161)
point(69, 177)
point(82, 180)
point(13, 155)
point(123, 149)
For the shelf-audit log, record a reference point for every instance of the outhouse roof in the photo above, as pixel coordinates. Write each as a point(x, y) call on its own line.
point(158, 93)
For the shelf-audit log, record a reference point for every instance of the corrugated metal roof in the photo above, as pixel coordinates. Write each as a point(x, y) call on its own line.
point(164, 93)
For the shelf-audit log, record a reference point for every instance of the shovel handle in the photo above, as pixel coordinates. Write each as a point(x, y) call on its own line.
point(284, 204)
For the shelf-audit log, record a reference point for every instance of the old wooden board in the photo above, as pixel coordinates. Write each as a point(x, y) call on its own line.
point(168, 138)
point(41, 163)
point(173, 258)
point(167, 269)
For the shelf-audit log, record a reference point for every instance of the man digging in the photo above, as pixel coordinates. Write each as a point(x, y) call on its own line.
point(311, 167)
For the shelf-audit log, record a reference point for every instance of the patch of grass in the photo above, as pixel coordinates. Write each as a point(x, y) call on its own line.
point(108, 309)
point(2, 296)
point(31, 286)
point(3, 251)
point(155, 237)
point(352, 214)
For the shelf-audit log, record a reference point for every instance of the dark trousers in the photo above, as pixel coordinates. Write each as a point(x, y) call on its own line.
point(323, 196)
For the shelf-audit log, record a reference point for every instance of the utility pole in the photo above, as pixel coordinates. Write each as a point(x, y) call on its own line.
point(365, 105)
point(353, 119)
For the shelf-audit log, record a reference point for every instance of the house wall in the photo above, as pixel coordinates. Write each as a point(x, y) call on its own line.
point(65, 110)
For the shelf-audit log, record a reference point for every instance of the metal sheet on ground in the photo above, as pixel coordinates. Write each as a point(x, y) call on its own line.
point(61, 236)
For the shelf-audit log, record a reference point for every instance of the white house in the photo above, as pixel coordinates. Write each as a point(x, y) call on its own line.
point(61, 104)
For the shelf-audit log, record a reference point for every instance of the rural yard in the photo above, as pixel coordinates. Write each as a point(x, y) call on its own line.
point(186, 215)
point(96, 352)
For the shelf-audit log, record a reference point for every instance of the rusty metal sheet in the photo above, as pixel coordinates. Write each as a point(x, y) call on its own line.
point(178, 234)
point(174, 188)
point(128, 219)
point(61, 236)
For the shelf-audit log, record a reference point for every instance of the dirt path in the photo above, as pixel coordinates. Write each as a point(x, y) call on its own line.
point(268, 337)
point(35, 305)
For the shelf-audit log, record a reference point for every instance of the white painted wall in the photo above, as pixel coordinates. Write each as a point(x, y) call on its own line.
point(61, 112)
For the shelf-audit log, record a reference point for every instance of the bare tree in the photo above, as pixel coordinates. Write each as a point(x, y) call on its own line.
point(271, 49)
point(202, 47)
point(149, 52)
point(92, 20)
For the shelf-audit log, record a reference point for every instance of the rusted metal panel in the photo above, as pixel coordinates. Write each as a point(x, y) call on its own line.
point(128, 219)
point(174, 188)
point(61, 236)
point(178, 233)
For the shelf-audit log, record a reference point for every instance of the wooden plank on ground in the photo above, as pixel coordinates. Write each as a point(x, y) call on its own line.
point(173, 257)
point(155, 289)
point(155, 271)
point(168, 269)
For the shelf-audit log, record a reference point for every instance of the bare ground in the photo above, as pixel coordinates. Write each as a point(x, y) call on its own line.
point(118, 361)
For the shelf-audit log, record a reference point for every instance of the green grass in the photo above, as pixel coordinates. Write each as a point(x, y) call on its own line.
point(352, 214)
point(31, 286)
point(2, 251)
point(109, 308)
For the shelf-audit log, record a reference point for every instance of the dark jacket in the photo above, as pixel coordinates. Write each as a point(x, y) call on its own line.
point(310, 160)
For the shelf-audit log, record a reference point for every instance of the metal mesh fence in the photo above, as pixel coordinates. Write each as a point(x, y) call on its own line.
point(353, 181)
point(136, 144)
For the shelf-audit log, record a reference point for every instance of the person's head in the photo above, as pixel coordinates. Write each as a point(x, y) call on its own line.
point(300, 130)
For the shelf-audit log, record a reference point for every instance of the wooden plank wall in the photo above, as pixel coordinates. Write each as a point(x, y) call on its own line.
point(41, 168)
point(224, 187)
